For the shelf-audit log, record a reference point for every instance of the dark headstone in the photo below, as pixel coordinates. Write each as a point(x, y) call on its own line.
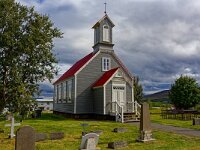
point(25, 138)
point(145, 124)
point(120, 130)
point(196, 121)
point(56, 135)
point(40, 137)
point(38, 113)
point(117, 144)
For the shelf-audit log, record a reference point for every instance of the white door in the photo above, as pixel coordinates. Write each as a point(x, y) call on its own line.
point(118, 96)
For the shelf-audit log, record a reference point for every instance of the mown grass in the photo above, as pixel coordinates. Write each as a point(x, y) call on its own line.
point(72, 129)
point(156, 118)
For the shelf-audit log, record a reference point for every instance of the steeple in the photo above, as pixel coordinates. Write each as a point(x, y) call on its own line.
point(103, 33)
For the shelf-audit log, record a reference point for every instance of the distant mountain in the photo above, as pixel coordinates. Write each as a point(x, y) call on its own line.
point(162, 96)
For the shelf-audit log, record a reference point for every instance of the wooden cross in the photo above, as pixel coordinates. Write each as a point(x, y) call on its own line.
point(12, 125)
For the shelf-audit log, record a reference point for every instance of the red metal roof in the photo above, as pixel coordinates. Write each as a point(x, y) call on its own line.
point(105, 77)
point(76, 67)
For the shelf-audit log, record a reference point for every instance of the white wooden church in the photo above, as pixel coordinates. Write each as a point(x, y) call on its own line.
point(98, 85)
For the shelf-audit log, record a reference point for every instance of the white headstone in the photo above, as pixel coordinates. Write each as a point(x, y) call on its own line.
point(12, 125)
point(89, 141)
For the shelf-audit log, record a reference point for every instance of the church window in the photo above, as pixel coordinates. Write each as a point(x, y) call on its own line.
point(59, 92)
point(64, 92)
point(106, 33)
point(106, 64)
point(69, 91)
point(55, 94)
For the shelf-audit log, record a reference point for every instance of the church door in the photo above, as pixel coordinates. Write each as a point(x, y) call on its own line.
point(119, 96)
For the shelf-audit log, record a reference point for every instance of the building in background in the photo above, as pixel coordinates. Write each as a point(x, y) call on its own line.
point(45, 103)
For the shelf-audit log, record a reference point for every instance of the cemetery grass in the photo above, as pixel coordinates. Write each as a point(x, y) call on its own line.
point(156, 118)
point(72, 129)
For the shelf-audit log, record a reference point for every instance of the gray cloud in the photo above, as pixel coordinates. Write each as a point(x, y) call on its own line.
point(157, 40)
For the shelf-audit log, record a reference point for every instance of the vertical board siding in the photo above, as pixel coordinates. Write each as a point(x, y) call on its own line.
point(128, 93)
point(86, 78)
point(98, 100)
point(108, 96)
point(66, 107)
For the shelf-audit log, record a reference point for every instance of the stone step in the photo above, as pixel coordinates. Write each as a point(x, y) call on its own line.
point(131, 117)
point(132, 120)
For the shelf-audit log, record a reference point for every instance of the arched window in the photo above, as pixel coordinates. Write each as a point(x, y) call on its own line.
point(106, 33)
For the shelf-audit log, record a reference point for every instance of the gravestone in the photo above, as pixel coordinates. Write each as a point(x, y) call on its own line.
point(25, 138)
point(120, 130)
point(56, 135)
point(145, 124)
point(89, 142)
point(196, 121)
point(40, 137)
point(12, 125)
point(117, 144)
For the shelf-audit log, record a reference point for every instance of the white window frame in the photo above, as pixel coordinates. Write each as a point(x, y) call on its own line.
point(64, 92)
point(57, 98)
point(61, 92)
point(106, 36)
point(106, 63)
point(69, 91)
point(55, 94)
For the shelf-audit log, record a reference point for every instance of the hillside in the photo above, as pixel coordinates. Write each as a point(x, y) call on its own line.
point(162, 96)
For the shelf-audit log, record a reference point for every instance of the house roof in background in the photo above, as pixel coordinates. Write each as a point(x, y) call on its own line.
point(105, 77)
point(75, 68)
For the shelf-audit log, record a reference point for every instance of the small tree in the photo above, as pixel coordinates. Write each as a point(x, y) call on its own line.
point(185, 93)
point(138, 90)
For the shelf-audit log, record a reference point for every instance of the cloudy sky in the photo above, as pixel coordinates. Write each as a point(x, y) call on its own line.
point(158, 40)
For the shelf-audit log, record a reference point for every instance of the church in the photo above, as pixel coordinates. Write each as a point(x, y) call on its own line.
point(99, 85)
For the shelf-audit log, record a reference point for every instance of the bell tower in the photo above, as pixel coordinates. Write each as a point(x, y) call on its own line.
point(103, 34)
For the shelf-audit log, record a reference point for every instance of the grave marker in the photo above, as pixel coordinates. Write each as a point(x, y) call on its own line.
point(25, 138)
point(196, 121)
point(145, 124)
point(117, 144)
point(56, 135)
point(89, 141)
point(12, 125)
point(40, 137)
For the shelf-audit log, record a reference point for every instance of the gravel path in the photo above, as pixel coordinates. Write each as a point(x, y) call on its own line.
point(168, 128)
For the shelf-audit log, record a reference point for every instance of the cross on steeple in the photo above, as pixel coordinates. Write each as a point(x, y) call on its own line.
point(105, 7)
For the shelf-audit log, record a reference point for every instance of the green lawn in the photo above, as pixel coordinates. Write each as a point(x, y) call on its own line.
point(156, 118)
point(72, 129)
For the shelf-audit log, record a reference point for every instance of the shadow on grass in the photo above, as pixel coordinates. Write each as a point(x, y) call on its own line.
point(49, 116)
